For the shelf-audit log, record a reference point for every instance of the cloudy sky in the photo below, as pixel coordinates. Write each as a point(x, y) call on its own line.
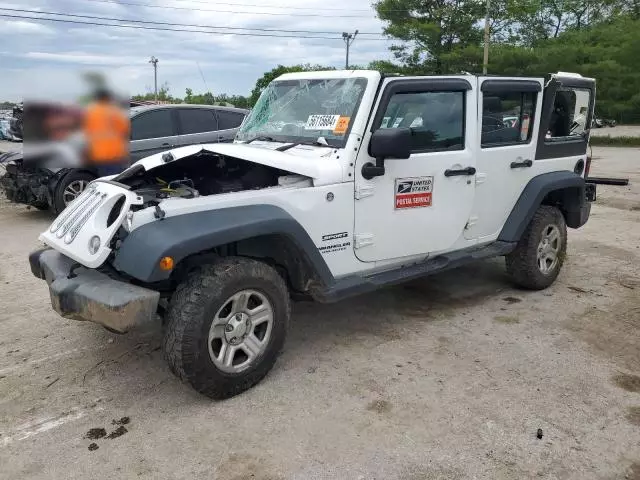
point(45, 59)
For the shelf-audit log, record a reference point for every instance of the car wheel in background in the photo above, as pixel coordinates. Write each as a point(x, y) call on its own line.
point(70, 188)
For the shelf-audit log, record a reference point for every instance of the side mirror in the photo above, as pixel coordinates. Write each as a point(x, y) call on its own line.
point(391, 143)
point(387, 143)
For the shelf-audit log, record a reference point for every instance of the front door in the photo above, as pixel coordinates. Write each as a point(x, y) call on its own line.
point(508, 112)
point(421, 204)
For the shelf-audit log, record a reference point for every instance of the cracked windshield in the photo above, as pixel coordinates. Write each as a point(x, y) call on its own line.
point(305, 111)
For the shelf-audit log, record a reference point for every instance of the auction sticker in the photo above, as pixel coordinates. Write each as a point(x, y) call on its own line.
point(413, 192)
point(322, 122)
point(342, 126)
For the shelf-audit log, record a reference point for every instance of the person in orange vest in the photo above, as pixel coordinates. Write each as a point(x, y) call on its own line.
point(106, 127)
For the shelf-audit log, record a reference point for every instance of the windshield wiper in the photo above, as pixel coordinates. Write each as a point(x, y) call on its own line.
point(321, 142)
point(263, 138)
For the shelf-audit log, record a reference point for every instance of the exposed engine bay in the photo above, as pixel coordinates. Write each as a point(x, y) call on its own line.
point(202, 174)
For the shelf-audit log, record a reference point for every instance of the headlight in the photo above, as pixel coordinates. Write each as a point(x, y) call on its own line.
point(94, 244)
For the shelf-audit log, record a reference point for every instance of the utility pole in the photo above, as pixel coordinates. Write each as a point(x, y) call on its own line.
point(348, 38)
point(154, 62)
point(487, 34)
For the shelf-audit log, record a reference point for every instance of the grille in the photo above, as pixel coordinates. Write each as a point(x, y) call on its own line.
point(73, 218)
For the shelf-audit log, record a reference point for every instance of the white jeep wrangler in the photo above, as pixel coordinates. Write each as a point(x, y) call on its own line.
point(338, 183)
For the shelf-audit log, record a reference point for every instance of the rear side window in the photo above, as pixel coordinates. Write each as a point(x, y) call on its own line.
point(507, 117)
point(436, 119)
point(570, 113)
point(194, 120)
point(154, 124)
point(229, 120)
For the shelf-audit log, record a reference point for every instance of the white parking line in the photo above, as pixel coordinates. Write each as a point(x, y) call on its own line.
point(21, 365)
point(41, 425)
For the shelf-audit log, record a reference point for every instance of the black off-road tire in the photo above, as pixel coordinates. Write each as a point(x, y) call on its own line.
point(522, 263)
point(73, 176)
point(192, 309)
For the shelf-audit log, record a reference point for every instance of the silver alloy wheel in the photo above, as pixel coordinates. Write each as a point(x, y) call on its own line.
point(549, 249)
point(240, 331)
point(73, 191)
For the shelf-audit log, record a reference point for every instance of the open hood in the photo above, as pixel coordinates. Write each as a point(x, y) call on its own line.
point(318, 163)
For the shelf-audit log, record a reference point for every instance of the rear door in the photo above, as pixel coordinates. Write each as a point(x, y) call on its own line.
point(421, 204)
point(229, 121)
point(152, 132)
point(197, 125)
point(508, 111)
point(567, 113)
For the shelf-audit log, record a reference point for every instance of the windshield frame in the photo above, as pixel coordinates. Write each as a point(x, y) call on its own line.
point(332, 142)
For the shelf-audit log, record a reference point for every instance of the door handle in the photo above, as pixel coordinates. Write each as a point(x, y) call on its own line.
point(458, 173)
point(524, 164)
point(167, 145)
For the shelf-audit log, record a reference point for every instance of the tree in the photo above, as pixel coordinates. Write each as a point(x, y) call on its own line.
point(432, 31)
point(163, 95)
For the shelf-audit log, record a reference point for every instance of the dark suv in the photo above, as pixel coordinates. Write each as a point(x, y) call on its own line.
point(154, 128)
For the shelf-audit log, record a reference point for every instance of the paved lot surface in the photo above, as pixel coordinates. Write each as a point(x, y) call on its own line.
point(618, 131)
point(445, 378)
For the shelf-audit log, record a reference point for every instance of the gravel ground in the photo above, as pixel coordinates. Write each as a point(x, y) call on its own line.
point(449, 377)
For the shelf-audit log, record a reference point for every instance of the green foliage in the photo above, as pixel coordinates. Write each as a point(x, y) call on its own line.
point(206, 98)
point(610, 141)
point(606, 51)
point(163, 95)
point(599, 39)
point(432, 31)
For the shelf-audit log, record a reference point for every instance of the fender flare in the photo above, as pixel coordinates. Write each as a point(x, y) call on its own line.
point(533, 195)
point(184, 235)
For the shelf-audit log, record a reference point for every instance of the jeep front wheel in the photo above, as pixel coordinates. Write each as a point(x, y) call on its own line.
point(226, 325)
point(538, 258)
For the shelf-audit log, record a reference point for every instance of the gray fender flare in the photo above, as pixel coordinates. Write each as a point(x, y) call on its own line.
point(184, 235)
point(534, 193)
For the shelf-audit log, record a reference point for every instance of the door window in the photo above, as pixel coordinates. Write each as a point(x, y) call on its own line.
point(570, 113)
point(197, 120)
point(154, 124)
point(507, 117)
point(436, 119)
point(229, 120)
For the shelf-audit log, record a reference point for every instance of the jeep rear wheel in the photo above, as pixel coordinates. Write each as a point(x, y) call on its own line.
point(226, 325)
point(538, 258)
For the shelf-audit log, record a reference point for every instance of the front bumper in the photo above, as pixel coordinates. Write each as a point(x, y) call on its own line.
point(87, 294)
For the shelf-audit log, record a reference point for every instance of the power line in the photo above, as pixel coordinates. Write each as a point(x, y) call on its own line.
point(280, 7)
point(171, 7)
point(141, 27)
point(93, 17)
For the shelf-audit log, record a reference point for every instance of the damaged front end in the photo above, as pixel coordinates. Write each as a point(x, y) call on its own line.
point(85, 268)
point(24, 183)
point(201, 174)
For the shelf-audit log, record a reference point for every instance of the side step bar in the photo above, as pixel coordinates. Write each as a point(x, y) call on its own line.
point(356, 285)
